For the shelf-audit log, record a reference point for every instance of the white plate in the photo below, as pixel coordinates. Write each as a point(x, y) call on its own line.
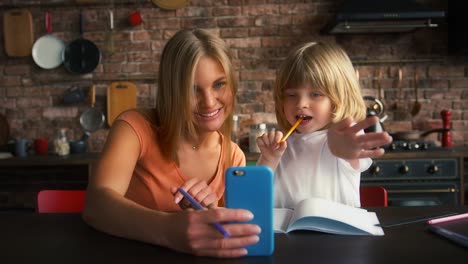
point(47, 51)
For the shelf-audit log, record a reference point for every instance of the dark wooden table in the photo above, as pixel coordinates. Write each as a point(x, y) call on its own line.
point(65, 238)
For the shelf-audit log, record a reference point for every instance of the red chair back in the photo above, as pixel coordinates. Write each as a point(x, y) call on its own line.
point(373, 196)
point(60, 201)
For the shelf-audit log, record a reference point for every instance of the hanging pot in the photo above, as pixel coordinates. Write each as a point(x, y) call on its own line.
point(81, 56)
point(414, 135)
point(92, 119)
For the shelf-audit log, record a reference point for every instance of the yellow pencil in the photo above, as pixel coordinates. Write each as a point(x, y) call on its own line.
point(291, 130)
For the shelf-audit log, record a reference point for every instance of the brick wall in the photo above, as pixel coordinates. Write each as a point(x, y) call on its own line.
point(259, 32)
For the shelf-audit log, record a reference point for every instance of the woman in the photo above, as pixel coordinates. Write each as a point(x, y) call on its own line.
point(183, 142)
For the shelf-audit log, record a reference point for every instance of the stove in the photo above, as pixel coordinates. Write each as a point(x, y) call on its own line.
point(414, 177)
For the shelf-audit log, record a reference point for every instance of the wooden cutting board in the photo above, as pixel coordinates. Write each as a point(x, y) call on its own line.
point(121, 96)
point(18, 32)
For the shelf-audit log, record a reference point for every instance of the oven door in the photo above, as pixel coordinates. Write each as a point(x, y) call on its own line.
point(422, 194)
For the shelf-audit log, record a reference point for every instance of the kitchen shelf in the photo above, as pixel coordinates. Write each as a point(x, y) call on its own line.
point(62, 3)
point(360, 61)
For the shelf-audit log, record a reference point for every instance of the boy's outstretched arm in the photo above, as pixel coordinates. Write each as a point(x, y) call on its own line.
point(349, 142)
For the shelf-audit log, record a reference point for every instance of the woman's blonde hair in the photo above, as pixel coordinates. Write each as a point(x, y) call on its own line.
point(326, 67)
point(175, 96)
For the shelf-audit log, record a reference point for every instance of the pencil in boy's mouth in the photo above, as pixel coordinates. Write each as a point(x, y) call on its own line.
point(298, 121)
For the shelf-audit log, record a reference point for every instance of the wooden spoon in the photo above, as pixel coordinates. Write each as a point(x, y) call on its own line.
point(416, 105)
point(110, 46)
point(400, 112)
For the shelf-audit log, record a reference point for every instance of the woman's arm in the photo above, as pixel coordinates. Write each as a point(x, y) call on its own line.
point(107, 209)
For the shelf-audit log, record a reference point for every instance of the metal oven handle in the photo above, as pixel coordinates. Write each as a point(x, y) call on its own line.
point(446, 190)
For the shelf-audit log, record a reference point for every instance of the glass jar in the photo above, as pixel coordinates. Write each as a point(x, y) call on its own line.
point(255, 132)
point(235, 129)
point(61, 146)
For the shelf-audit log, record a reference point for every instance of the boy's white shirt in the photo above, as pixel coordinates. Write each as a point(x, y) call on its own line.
point(309, 169)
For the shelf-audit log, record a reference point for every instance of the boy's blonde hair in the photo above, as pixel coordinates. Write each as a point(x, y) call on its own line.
point(175, 96)
point(326, 67)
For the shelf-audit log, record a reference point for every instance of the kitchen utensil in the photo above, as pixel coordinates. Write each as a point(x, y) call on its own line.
point(81, 56)
point(170, 4)
point(401, 110)
point(416, 105)
point(375, 107)
point(379, 84)
point(91, 119)
point(110, 45)
point(18, 32)
point(47, 50)
point(414, 135)
point(121, 96)
point(74, 95)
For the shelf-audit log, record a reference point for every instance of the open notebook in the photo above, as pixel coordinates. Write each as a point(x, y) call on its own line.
point(327, 216)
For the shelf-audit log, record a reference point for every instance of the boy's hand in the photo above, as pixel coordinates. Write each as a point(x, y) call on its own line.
point(348, 141)
point(271, 149)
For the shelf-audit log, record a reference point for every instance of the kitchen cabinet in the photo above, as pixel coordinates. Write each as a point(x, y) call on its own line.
point(22, 178)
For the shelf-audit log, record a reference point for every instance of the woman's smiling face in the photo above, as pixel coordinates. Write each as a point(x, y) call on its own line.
point(214, 97)
point(315, 108)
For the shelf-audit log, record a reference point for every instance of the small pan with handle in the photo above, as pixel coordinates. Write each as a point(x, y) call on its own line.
point(47, 50)
point(81, 56)
point(92, 119)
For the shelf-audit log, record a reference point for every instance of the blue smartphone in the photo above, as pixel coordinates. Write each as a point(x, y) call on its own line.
point(251, 188)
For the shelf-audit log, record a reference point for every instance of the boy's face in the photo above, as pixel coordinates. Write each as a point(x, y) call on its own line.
point(213, 95)
point(308, 103)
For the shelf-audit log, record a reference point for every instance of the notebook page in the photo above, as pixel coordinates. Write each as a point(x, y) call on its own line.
point(356, 217)
point(281, 219)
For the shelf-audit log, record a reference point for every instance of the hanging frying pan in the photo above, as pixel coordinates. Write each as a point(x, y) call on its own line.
point(81, 56)
point(92, 119)
point(47, 50)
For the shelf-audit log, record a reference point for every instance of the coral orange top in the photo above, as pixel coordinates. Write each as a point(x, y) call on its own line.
point(154, 176)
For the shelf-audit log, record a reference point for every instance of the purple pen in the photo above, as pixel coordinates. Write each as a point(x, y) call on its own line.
point(199, 207)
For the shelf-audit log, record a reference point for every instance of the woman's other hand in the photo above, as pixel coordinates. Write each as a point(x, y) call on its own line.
point(199, 190)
